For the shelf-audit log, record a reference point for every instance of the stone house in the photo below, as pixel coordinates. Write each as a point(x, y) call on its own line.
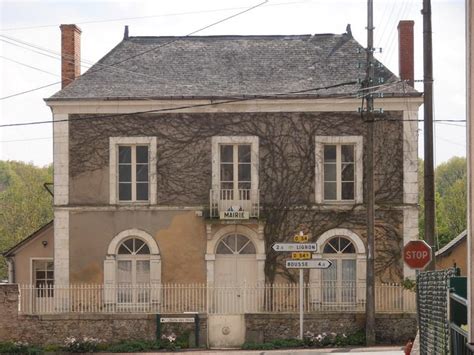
point(184, 159)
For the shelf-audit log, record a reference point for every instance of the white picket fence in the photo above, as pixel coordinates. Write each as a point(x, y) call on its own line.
point(202, 298)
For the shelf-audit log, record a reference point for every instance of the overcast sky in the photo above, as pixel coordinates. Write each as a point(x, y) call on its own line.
point(30, 43)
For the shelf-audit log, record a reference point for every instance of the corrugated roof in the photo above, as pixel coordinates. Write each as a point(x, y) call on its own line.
point(227, 66)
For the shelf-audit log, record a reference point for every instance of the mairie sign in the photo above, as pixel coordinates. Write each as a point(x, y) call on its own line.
point(294, 247)
point(234, 215)
point(308, 264)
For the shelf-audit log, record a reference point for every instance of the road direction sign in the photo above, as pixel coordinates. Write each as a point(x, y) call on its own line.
point(301, 238)
point(308, 264)
point(294, 247)
point(301, 255)
point(417, 254)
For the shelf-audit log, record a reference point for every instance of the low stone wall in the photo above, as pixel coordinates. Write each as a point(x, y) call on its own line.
point(55, 328)
point(390, 328)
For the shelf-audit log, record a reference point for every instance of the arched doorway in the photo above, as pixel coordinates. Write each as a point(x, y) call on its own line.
point(236, 261)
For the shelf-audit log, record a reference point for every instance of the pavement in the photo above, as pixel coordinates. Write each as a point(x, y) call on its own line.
point(383, 350)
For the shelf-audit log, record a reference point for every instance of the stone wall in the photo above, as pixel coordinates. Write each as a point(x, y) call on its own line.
point(55, 328)
point(390, 328)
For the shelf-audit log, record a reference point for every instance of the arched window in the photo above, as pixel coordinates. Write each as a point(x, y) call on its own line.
point(133, 271)
point(339, 281)
point(235, 244)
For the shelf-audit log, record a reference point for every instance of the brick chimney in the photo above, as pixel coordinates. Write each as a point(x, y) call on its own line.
point(406, 51)
point(70, 53)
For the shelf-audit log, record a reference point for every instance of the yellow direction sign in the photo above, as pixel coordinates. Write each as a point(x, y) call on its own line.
point(301, 255)
point(301, 238)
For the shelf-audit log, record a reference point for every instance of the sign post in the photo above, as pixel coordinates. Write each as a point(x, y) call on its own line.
point(301, 259)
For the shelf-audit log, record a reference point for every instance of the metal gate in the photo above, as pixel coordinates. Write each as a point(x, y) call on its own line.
point(432, 303)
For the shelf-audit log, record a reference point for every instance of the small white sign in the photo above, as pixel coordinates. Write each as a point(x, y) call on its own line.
point(308, 264)
point(177, 320)
point(234, 215)
point(294, 246)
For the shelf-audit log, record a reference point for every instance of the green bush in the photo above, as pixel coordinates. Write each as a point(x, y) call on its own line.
point(18, 348)
point(310, 340)
point(84, 345)
point(132, 346)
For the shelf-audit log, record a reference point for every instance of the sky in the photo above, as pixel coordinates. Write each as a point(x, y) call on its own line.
point(30, 47)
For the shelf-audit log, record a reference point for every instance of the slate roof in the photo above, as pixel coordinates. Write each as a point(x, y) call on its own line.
point(447, 248)
point(227, 66)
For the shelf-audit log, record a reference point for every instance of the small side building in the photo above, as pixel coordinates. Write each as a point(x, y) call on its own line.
point(35, 251)
point(454, 253)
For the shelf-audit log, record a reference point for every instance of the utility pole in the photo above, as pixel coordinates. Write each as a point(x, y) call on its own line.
point(370, 279)
point(428, 129)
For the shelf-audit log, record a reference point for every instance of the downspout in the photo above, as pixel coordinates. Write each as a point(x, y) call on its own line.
point(11, 270)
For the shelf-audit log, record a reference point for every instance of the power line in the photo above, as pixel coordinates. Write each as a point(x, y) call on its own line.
point(255, 97)
point(27, 91)
point(27, 65)
point(151, 49)
point(191, 33)
point(144, 17)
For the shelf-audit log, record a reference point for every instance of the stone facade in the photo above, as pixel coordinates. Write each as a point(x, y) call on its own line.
point(55, 328)
point(390, 328)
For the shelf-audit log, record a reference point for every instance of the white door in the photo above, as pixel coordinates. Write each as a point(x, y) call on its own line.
point(235, 275)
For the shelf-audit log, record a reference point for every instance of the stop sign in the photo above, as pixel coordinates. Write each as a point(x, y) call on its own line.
point(417, 254)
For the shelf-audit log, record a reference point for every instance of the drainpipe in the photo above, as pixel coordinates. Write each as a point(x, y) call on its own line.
point(11, 270)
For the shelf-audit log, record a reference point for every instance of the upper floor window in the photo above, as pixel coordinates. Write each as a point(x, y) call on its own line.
point(234, 176)
point(339, 177)
point(133, 170)
point(339, 169)
point(235, 167)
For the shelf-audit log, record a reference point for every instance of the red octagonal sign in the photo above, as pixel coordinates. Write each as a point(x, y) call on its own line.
point(417, 254)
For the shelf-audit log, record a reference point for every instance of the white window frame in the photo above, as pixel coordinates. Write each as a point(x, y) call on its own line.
point(320, 142)
point(32, 262)
point(217, 141)
point(114, 143)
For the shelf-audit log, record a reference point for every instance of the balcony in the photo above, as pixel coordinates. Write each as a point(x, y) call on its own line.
point(234, 204)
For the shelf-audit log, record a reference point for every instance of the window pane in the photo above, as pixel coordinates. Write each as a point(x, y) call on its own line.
point(227, 153)
point(143, 271)
point(125, 154)
point(142, 191)
point(223, 249)
point(143, 250)
point(123, 250)
point(347, 153)
point(125, 173)
point(124, 271)
point(245, 186)
point(50, 275)
point(227, 186)
point(329, 153)
point(50, 266)
point(330, 191)
point(244, 172)
point(142, 172)
point(244, 153)
point(227, 172)
point(40, 275)
point(248, 249)
point(329, 172)
point(241, 241)
point(142, 154)
point(347, 190)
point(125, 191)
point(348, 270)
point(347, 172)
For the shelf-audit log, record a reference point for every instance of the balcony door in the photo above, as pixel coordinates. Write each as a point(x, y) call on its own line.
point(235, 174)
